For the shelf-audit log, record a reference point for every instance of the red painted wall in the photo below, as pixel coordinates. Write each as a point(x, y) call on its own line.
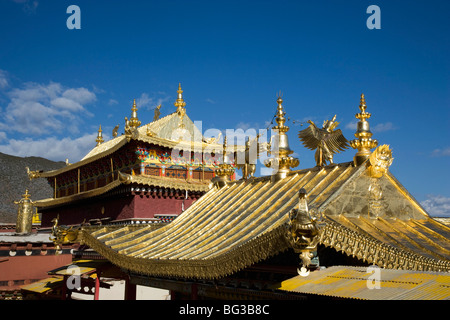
point(147, 207)
point(117, 208)
point(30, 267)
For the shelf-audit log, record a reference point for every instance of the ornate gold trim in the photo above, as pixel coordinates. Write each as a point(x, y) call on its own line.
point(376, 252)
point(258, 249)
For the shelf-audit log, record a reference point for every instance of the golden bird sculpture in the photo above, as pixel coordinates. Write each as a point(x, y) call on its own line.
point(326, 140)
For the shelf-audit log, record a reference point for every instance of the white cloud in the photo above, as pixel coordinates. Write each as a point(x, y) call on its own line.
point(80, 95)
point(29, 6)
point(112, 102)
point(437, 205)
point(45, 109)
point(52, 148)
point(3, 79)
point(441, 152)
point(351, 125)
point(380, 127)
point(149, 103)
point(144, 100)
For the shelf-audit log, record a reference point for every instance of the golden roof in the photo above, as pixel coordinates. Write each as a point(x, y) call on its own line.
point(244, 222)
point(160, 132)
point(352, 282)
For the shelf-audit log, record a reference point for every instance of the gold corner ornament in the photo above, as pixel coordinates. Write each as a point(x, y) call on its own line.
point(379, 161)
point(326, 140)
point(24, 214)
point(279, 148)
point(364, 141)
point(33, 174)
point(99, 139)
point(157, 113)
point(62, 234)
point(303, 231)
point(115, 131)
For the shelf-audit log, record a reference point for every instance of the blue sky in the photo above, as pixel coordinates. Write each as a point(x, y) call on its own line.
point(232, 58)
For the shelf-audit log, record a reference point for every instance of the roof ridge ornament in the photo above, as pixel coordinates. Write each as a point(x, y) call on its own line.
point(282, 161)
point(303, 231)
point(326, 140)
point(134, 120)
point(180, 104)
point(363, 142)
point(225, 169)
point(99, 139)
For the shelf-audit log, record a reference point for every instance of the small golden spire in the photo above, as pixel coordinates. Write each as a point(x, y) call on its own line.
point(134, 121)
point(179, 103)
point(99, 139)
point(26, 196)
point(363, 142)
point(225, 170)
point(282, 161)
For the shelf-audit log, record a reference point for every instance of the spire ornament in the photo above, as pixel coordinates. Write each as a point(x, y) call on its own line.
point(134, 121)
point(180, 104)
point(363, 142)
point(282, 161)
point(99, 139)
point(225, 169)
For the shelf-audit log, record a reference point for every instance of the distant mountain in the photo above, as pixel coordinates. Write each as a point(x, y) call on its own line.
point(14, 181)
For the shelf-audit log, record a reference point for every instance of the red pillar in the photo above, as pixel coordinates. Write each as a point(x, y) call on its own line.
point(97, 287)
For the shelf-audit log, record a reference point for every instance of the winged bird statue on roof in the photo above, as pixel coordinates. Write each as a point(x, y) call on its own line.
point(326, 140)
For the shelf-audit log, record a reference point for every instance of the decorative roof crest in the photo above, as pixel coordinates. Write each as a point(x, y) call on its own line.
point(282, 162)
point(363, 142)
point(99, 139)
point(134, 121)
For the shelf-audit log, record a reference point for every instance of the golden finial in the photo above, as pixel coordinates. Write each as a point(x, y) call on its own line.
point(99, 139)
point(282, 162)
point(225, 169)
point(280, 119)
point(179, 103)
point(134, 121)
point(363, 142)
point(26, 196)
